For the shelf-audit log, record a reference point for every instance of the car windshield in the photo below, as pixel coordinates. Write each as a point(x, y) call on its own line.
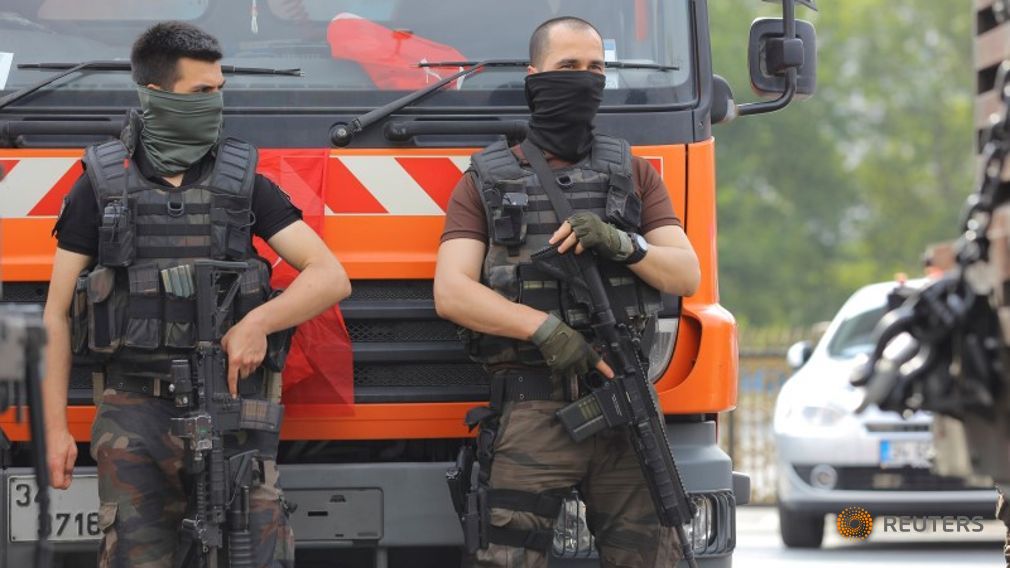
point(854, 335)
point(354, 53)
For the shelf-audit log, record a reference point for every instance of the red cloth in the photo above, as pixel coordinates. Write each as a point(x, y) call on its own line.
point(389, 57)
point(319, 368)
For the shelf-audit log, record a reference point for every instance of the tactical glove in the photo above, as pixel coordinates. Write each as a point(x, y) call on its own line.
point(566, 352)
point(594, 233)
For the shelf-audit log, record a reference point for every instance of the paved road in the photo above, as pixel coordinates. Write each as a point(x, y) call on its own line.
point(759, 545)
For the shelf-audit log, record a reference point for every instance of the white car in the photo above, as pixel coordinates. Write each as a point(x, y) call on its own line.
point(830, 458)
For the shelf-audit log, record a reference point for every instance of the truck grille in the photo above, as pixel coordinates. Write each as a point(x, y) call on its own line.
point(403, 352)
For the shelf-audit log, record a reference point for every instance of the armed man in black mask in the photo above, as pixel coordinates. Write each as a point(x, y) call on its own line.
point(535, 344)
point(171, 197)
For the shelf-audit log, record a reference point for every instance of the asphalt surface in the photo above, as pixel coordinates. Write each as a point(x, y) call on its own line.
point(759, 545)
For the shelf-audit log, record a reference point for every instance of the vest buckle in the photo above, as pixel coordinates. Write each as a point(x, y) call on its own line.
point(176, 209)
point(565, 181)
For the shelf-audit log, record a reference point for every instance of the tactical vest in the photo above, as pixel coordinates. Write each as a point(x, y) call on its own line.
point(136, 310)
point(521, 220)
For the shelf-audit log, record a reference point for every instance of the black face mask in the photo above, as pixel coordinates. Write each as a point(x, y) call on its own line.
point(563, 105)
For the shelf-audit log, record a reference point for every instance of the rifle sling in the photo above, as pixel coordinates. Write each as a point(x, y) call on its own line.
point(548, 181)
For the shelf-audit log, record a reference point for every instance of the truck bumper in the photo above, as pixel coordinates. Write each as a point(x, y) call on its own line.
point(385, 506)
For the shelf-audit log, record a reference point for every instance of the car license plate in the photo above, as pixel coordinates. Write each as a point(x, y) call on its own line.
point(905, 453)
point(74, 512)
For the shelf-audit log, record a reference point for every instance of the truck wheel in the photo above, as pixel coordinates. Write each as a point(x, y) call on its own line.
point(801, 530)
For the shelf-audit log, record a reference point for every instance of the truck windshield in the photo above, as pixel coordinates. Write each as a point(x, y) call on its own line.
point(354, 53)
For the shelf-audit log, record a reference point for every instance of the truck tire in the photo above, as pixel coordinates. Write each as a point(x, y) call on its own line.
point(801, 530)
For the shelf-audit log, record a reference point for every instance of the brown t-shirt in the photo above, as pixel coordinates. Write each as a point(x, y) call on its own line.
point(465, 219)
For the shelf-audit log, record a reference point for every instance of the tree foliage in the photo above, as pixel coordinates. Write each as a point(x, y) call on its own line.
point(849, 186)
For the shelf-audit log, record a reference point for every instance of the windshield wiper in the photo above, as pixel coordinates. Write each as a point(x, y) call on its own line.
point(342, 132)
point(609, 64)
point(112, 66)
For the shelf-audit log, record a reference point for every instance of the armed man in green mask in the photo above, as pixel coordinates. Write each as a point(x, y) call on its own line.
point(173, 192)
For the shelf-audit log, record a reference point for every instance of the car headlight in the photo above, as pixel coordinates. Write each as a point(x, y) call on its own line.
point(661, 351)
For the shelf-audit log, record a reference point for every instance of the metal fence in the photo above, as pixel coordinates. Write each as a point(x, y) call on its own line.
point(746, 432)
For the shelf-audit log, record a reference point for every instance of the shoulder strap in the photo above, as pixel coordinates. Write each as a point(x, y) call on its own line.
point(611, 155)
point(107, 169)
point(235, 168)
point(496, 162)
point(548, 181)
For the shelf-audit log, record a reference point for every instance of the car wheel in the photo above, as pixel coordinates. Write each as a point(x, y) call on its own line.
point(801, 530)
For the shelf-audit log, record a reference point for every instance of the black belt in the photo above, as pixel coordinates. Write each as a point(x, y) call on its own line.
point(518, 385)
point(157, 388)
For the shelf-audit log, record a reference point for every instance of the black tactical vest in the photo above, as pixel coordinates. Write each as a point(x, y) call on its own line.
point(136, 310)
point(521, 220)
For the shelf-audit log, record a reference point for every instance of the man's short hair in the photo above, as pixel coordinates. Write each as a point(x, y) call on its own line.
point(540, 40)
point(156, 53)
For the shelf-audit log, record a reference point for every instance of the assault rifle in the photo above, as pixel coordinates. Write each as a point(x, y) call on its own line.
point(22, 339)
point(218, 516)
point(628, 399)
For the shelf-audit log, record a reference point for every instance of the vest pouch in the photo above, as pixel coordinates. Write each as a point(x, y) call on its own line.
point(180, 323)
point(278, 346)
point(106, 310)
point(143, 326)
point(231, 223)
point(79, 316)
point(504, 279)
point(116, 242)
point(624, 207)
point(508, 214)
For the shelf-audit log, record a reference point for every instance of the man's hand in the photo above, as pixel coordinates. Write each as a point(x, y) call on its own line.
point(246, 346)
point(566, 351)
point(61, 453)
point(586, 230)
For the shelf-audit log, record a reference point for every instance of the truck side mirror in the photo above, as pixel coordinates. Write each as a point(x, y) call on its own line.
point(771, 56)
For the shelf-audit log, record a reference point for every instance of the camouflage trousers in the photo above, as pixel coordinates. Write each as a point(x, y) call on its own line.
point(1003, 514)
point(534, 453)
point(142, 486)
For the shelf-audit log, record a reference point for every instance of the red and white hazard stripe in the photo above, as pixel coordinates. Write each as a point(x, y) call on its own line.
point(356, 184)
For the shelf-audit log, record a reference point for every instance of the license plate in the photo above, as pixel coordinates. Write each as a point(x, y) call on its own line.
point(905, 453)
point(74, 512)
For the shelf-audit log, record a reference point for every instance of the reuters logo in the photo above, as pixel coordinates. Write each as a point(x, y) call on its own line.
point(855, 523)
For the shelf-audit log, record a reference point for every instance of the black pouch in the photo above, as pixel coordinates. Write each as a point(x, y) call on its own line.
point(116, 242)
point(143, 327)
point(508, 213)
point(231, 222)
point(180, 326)
point(106, 311)
point(79, 316)
point(624, 207)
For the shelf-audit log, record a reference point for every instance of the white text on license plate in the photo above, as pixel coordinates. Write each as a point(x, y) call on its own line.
point(905, 453)
point(74, 512)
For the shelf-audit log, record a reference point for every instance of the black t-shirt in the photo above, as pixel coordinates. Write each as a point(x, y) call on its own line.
point(77, 228)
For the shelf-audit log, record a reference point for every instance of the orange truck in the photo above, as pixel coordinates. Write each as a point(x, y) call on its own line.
point(369, 481)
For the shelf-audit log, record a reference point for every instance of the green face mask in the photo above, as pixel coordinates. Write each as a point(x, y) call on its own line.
point(179, 128)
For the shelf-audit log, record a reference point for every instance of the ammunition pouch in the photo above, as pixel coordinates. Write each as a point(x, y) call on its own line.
point(230, 224)
point(106, 311)
point(116, 243)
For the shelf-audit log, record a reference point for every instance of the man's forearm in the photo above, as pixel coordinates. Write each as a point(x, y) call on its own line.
point(315, 289)
point(58, 362)
point(669, 269)
point(474, 306)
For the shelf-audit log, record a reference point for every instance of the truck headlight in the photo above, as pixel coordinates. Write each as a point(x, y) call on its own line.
point(663, 343)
